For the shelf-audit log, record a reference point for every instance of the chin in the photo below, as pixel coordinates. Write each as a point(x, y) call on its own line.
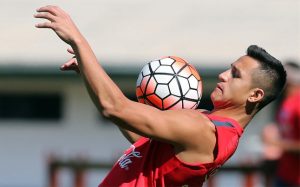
point(218, 102)
point(215, 102)
point(214, 98)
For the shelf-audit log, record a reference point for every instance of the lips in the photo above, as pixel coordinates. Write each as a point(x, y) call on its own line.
point(219, 86)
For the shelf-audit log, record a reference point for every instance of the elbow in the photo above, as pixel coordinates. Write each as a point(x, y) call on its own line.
point(113, 110)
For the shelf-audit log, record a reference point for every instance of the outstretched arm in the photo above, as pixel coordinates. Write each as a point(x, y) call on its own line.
point(103, 91)
point(72, 65)
point(85, 59)
point(176, 127)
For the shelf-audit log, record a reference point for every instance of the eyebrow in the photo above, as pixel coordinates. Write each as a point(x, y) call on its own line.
point(235, 68)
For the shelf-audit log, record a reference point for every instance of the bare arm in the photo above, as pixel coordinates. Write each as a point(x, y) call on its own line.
point(72, 65)
point(175, 127)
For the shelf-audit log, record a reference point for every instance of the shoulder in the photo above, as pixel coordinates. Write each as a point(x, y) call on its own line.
point(197, 117)
point(201, 139)
point(190, 123)
point(199, 123)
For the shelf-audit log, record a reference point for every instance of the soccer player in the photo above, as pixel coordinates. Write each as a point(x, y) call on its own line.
point(173, 147)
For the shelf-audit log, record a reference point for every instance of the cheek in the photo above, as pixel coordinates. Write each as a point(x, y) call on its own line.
point(236, 89)
point(240, 93)
point(233, 93)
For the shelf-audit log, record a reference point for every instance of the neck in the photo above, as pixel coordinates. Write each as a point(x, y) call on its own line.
point(237, 114)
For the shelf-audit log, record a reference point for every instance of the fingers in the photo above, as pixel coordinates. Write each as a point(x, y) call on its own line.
point(45, 15)
point(50, 13)
point(70, 50)
point(54, 10)
point(44, 25)
point(66, 65)
point(70, 65)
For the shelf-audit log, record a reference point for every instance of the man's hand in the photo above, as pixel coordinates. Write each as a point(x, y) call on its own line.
point(64, 27)
point(71, 64)
point(60, 23)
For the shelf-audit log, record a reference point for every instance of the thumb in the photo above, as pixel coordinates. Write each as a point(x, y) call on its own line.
point(70, 50)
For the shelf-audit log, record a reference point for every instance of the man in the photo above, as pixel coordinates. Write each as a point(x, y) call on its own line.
point(286, 136)
point(179, 147)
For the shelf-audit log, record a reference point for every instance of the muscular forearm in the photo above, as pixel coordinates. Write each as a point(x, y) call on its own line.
point(103, 91)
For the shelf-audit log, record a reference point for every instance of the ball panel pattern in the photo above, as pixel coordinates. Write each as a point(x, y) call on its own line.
point(162, 91)
point(194, 72)
point(140, 78)
point(164, 69)
point(178, 105)
point(154, 65)
point(149, 103)
point(185, 72)
point(167, 61)
point(146, 71)
point(138, 92)
point(200, 89)
point(144, 83)
point(178, 66)
point(162, 78)
point(169, 83)
point(177, 59)
point(193, 82)
point(151, 86)
point(170, 100)
point(189, 104)
point(192, 94)
point(184, 84)
point(155, 100)
point(174, 87)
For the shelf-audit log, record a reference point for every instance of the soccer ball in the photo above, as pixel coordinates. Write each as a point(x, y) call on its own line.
point(169, 83)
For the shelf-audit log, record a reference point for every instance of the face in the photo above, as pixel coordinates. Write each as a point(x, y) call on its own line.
point(235, 84)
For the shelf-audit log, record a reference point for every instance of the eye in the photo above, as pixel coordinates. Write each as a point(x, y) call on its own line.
point(235, 73)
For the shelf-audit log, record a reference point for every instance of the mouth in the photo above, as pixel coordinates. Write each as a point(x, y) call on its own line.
point(219, 86)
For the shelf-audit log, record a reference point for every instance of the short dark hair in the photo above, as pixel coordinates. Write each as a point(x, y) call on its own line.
point(270, 76)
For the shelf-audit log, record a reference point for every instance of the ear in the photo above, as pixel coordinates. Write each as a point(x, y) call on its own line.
point(256, 95)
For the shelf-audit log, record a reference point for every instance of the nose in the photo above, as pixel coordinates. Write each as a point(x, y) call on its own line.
point(223, 77)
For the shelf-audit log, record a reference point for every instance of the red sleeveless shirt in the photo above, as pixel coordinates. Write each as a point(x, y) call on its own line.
point(153, 163)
